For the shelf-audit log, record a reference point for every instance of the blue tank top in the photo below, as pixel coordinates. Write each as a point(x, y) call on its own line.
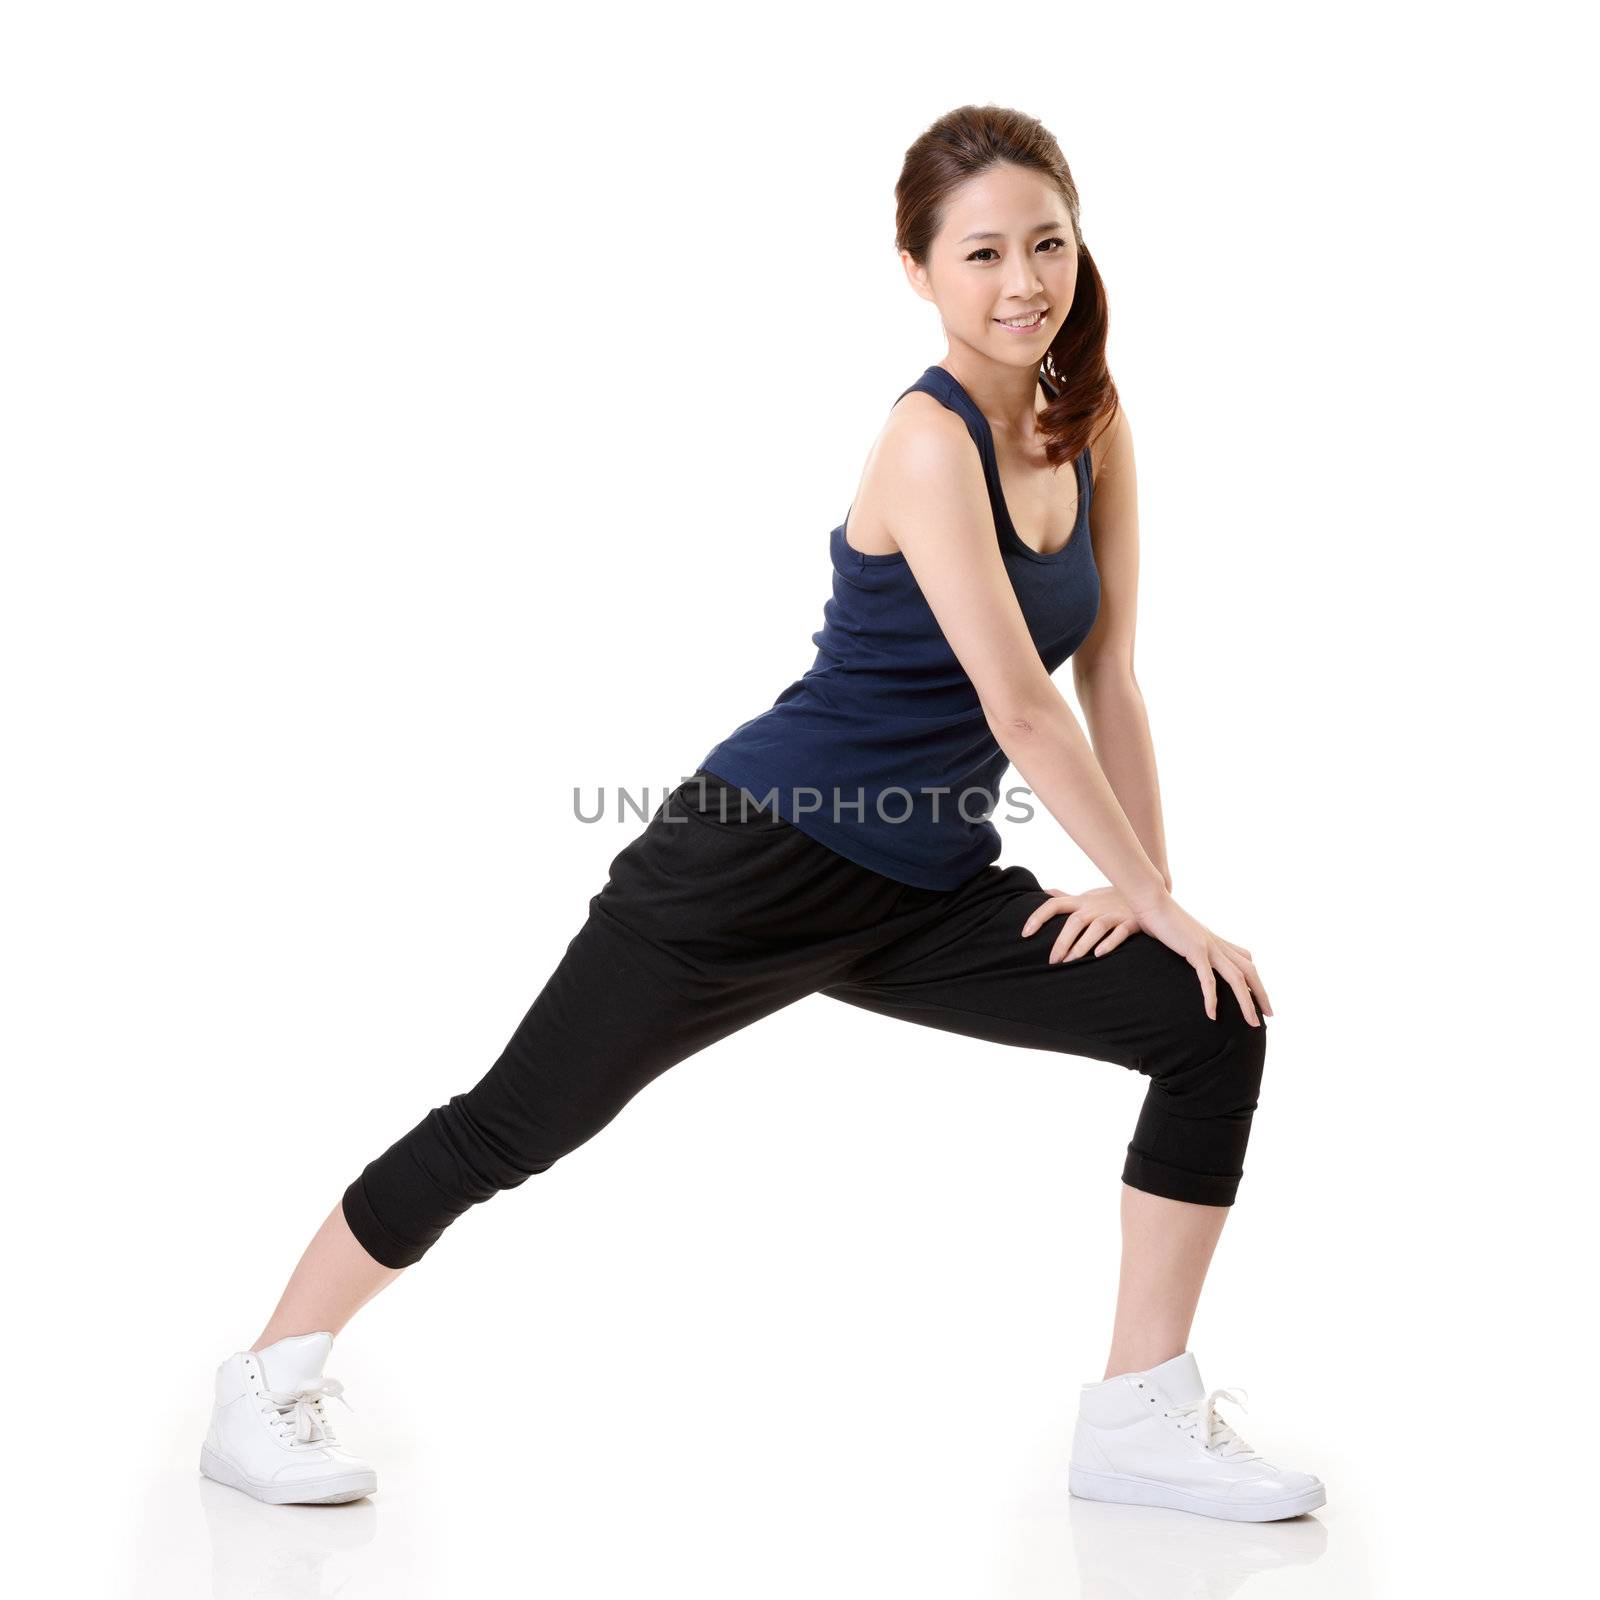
point(881, 751)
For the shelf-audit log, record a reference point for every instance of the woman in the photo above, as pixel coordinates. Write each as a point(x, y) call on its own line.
point(840, 843)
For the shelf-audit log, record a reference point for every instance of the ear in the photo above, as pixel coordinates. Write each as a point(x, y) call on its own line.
point(916, 276)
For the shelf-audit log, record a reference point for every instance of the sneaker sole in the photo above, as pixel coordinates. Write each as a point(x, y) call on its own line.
point(329, 1492)
point(1118, 1487)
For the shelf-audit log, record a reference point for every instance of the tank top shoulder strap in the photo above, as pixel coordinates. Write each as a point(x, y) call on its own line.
point(947, 390)
point(1084, 463)
point(944, 388)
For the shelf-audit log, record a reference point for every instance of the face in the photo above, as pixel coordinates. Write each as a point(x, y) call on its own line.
point(1005, 248)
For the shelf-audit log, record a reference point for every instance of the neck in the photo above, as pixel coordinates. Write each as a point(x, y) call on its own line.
point(1010, 397)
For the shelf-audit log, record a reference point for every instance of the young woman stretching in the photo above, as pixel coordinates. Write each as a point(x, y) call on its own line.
point(840, 843)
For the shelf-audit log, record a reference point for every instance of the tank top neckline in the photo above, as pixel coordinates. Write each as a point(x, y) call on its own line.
point(991, 472)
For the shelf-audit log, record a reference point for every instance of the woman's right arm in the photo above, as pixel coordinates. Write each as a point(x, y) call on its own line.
point(928, 472)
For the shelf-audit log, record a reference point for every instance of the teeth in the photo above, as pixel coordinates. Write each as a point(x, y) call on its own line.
point(1023, 322)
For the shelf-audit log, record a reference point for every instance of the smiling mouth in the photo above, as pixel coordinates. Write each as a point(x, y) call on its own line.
point(1033, 320)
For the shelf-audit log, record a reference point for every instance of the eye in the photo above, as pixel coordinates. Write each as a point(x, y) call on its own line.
point(988, 250)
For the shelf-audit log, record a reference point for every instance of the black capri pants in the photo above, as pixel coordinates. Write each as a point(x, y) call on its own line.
point(720, 913)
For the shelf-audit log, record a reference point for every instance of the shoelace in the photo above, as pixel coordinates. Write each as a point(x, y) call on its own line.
point(1216, 1434)
point(302, 1402)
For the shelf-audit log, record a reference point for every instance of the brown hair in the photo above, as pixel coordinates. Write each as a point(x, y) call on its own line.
point(962, 144)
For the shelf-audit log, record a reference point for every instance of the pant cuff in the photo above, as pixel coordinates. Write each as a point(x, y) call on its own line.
point(386, 1248)
point(1140, 1171)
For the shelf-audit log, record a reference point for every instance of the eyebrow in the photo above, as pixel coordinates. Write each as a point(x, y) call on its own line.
point(1038, 227)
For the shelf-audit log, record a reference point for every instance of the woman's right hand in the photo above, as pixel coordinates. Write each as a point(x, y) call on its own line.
point(1207, 954)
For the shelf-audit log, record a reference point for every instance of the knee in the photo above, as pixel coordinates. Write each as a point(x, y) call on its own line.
point(1214, 1068)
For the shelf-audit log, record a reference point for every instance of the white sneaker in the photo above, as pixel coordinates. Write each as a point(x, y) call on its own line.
point(270, 1435)
point(1154, 1439)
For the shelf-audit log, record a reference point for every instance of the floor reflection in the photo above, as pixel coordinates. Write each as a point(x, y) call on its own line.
point(1148, 1553)
point(261, 1552)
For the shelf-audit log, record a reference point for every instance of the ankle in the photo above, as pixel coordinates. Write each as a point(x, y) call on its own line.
point(1141, 1357)
point(274, 1333)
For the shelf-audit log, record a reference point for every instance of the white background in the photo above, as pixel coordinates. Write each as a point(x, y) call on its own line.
point(412, 413)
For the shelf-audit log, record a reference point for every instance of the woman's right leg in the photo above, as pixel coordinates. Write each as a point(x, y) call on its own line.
point(703, 927)
point(605, 1024)
point(334, 1279)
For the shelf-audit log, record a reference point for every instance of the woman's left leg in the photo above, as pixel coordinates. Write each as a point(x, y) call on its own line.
point(1166, 1250)
point(957, 961)
point(1148, 1433)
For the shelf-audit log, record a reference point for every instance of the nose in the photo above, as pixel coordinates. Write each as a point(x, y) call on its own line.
point(1023, 284)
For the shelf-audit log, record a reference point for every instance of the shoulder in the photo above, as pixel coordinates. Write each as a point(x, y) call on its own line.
point(1111, 446)
point(922, 437)
point(922, 467)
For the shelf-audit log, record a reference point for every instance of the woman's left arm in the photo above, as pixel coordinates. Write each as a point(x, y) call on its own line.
point(1102, 666)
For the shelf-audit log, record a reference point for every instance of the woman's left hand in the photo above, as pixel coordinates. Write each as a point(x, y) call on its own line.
point(1098, 920)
